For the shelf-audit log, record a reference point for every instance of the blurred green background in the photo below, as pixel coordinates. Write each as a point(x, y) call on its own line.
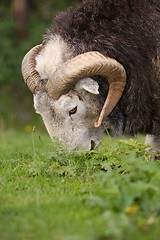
point(22, 25)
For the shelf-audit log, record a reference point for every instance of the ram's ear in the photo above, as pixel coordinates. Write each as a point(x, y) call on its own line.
point(89, 85)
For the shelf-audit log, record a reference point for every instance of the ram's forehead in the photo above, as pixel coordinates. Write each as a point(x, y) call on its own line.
point(55, 52)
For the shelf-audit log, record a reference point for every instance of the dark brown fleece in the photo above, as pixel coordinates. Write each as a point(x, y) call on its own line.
point(129, 31)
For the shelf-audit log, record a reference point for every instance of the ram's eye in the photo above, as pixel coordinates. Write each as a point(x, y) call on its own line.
point(73, 111)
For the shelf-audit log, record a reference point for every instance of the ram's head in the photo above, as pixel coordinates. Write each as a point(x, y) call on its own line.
point(68, 99)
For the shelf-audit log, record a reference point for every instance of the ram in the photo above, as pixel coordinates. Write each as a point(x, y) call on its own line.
point(98, 68)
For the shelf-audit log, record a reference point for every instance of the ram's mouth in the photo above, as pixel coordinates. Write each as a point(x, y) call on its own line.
point(93, 145)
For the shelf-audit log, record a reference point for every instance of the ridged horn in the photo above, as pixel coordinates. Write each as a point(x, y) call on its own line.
point(29, 73)
point(89, 64)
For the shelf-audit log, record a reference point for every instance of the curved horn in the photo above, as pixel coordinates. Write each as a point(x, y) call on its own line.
point(88, 64)
point(29, 73)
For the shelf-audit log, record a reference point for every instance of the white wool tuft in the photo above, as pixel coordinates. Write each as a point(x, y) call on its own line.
point(54, 53)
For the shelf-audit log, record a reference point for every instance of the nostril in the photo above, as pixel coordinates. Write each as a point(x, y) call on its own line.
point(93, 144)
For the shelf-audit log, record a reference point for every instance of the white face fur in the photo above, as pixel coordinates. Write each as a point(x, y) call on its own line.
point(71, 118)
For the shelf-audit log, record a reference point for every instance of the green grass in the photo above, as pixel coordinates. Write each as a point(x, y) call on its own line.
point(48, 193)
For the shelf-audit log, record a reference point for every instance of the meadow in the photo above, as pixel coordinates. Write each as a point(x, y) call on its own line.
point(46, 192)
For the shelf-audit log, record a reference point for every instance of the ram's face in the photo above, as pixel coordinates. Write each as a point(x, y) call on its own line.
point(66, 96)
point(71, 118)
